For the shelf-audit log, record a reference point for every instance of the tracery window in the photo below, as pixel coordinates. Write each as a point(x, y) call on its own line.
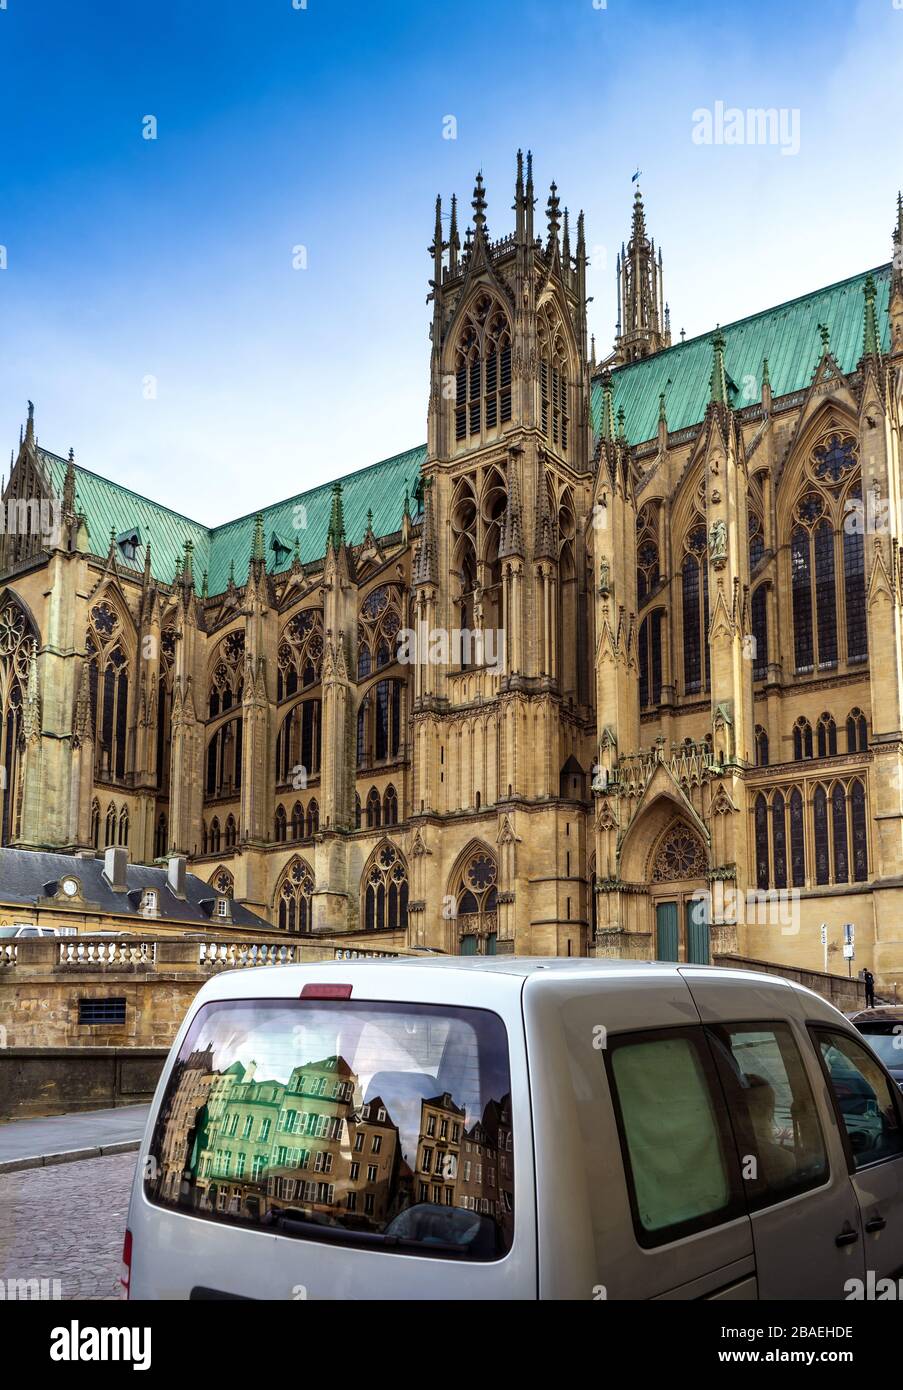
point(857, 732)
point(695, 593)
point(650, 654)
point(802, 739)
point(95, 823)
point(164, 706)
point(390, 806)
point(374, 810)
point(231, 832)
point(123, 826)
point(223, 882)
point(224, 755)
point(841, 833)
point(108, 672)
point(475, 894)
point(553, 381)
point(16, 639)
point(379, 724)
point(161, 835)
point(298, 743)
point(756, 539)
point(826, 736)
point(385, 890)
point(647, 558)
point(780, 847)
point(300, 653)
point(280, 827)
point(482, 370)
point(680, 855)
point(110, 826)
point(312, 823)
point(227, 679)
point(827, 560)
point(294, 897)
point(297, 821)
point(379, 622)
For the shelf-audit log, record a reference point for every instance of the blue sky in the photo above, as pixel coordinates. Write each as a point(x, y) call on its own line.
point(130, 259)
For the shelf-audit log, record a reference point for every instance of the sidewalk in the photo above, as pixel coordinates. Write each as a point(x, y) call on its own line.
point(66, 1138)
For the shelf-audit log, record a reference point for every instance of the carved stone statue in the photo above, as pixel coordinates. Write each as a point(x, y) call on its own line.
point(604, 577)
point(718, 541)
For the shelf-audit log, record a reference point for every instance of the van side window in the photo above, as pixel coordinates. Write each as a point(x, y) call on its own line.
point(779, 1138)
point(674, 1140)
point(864, 1095)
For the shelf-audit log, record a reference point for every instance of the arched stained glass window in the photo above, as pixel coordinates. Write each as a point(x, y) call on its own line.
point(761, 821)
point(820, 821)
point(825, 595)
point(294, 897)
point(779, 841)
point(801, 584)
point(385, 890)
point(390, 806)
point(854, 595)
point(374, 809)
point(826, 737)
point(760, 633)
point(839, 825)
point(802, 739)
point(860, 832)
point(695, 594)
point(797, 840)
point(280, 832)
point(650, 651)
point(857, 732)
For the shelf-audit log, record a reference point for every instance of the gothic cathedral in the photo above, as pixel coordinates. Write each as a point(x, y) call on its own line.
point(613, 665)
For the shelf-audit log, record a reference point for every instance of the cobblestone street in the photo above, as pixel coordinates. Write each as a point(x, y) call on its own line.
point(66, 1222)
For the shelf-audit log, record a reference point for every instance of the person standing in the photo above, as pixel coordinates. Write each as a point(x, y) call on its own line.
point(869, 989)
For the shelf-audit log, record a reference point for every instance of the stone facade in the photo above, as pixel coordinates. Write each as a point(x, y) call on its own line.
point(596, 664)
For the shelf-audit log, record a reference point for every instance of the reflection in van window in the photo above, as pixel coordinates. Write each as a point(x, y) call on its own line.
point(388, 1124)
point(865, 1098)
point(674, 1145)
point(781, 1147)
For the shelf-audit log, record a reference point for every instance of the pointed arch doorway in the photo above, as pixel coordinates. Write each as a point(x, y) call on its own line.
point(677, 882)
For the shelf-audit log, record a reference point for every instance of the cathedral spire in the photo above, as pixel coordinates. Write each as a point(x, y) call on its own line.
point(643, 325)
point(454, 241)
point(895, 307)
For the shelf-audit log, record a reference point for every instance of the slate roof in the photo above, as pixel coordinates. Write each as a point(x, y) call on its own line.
point(786, 334)
point(29, 875)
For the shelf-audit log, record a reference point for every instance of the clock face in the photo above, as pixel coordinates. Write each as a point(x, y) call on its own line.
point(70, 887)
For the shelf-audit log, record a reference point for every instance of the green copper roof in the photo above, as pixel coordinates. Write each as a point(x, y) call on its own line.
point(787, 335)
point(305, 518)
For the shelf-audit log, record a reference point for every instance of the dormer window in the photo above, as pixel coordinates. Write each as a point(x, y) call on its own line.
point(149, 902)
point(222, 907)
point(128, 544)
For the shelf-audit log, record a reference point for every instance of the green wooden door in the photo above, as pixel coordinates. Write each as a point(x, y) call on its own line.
point(666, 934)
point(697, 931)
point(469, 945)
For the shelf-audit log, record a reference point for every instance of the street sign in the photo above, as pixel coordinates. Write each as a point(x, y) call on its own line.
point(849, 952)
point(849, 932)
point(824, 933)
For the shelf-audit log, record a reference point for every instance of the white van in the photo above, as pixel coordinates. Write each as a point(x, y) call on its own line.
point(515, 1129)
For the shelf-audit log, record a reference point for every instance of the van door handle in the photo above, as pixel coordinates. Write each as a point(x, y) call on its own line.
point(875, 1223)
point(847, 1236)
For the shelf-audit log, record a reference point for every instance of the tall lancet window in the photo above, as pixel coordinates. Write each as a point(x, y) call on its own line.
point(695, 593)
point(482, 370)
point(108, 671)
point(16, 638)
point(553, 382)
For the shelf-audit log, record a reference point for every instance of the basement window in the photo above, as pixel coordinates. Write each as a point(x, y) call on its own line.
point(101, 1011)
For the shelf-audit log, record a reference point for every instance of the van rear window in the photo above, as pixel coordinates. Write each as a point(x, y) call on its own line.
point(384, 1124)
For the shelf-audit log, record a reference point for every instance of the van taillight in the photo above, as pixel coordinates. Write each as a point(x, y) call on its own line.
point(326, 992)
point(126, 1275)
